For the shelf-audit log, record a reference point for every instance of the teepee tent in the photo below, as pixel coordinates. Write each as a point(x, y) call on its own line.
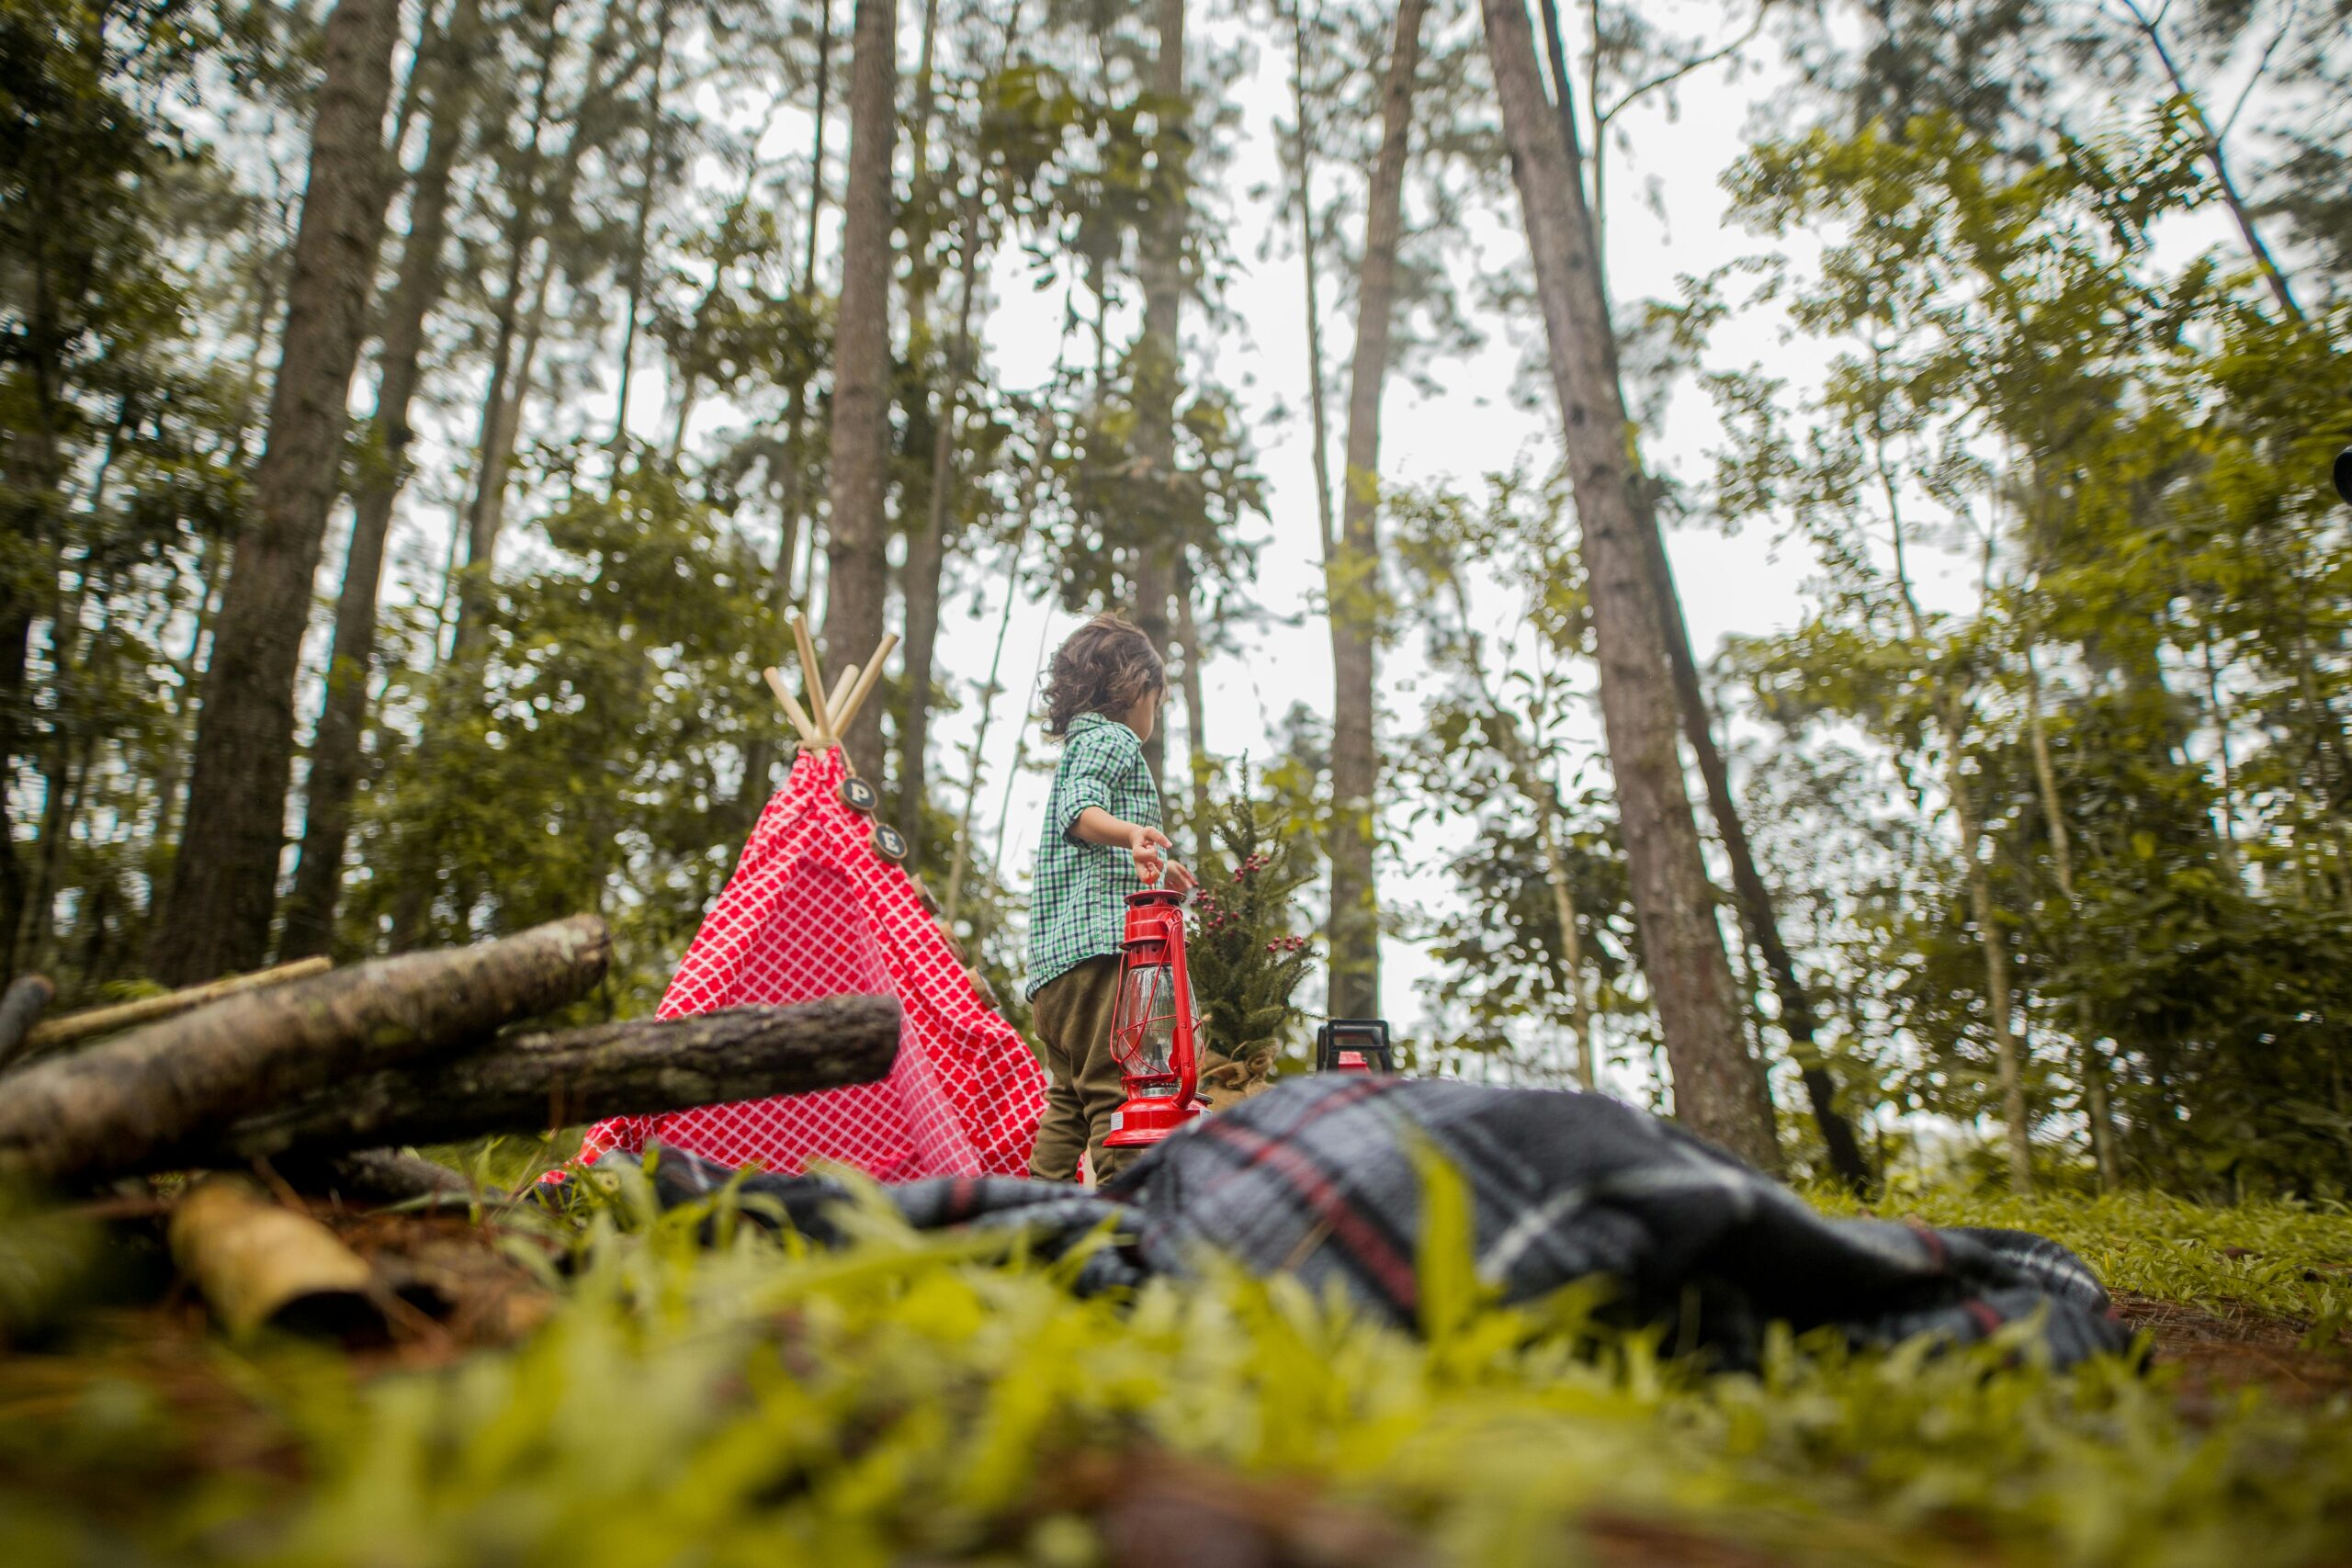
point(819, 907)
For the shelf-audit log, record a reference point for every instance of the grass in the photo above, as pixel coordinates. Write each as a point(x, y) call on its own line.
point(931, 1399)
point(2280, 1258)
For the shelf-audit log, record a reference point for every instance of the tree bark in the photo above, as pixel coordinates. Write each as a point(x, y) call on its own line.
point(1997, 998)
point(1157, 360)
point(759, 756)
point(538, 210)
point(2097, 1110)
point(962, 856)
point(1196, 730)
point(927, 547)
point(542, 1081)
point(1564, 915)
point(334, 749)
point(857, 570)
point(20, 1009)
point(633, 290)
point(118, 1106)
point(216, 917)
point(1716, 1093)
point(1310, 253)
point(1757, 913)
point(1352, 578)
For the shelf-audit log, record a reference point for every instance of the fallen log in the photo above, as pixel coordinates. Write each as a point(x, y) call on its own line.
point(380, 1175)
point(20, 1010)
point(119, 1016)
point(257, 1263)
point(538, 1082)
point(115, 1107)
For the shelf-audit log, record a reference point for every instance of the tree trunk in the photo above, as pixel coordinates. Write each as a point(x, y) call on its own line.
point(1353, 576)
point(962, 856)
point(1563, 914)
point(1715, 1083)
point(1158, 362)
point(926, 548)
point(1997, 998)
point(1310, 252)
point(759, 756)
point(543, 1081)
point(539, 210)
point(118, 1106)
point(1196, 731)
point(857, 572)
point(1755, 899)
point(502, 427)
point(334, 750)
point(633, 291)
point(2093, 1065)
point(216, 917)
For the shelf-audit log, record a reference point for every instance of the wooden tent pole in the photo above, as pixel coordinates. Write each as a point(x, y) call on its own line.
point(814, 684)
point(838, 695)
point(792, 709)
point(866, 683)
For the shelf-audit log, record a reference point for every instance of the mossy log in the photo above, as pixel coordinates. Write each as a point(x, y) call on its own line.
point(538, 1082)
point(124, 1105)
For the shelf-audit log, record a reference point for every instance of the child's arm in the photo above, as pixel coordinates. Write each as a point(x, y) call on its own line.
point(1096, 826)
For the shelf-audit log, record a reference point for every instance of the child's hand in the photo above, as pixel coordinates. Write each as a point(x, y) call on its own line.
point(1146, 845)
point(1179, 879)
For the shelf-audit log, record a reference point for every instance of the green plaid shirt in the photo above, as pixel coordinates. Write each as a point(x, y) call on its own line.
point(1078, 902)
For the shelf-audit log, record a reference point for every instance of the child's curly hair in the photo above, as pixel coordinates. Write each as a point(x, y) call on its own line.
point(1107, 666)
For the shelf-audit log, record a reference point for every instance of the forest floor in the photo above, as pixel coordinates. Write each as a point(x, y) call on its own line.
point(616, 1385)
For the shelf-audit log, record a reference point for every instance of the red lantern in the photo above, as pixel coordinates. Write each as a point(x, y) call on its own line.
point(1151, 1028)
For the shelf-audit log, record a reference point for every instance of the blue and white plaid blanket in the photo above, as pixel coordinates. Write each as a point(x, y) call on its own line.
point(1318, 1178)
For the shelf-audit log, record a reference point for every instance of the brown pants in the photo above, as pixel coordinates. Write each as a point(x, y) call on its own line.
point(1073, 1011)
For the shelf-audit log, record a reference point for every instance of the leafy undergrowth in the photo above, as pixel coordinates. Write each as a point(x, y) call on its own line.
point(935, 1399)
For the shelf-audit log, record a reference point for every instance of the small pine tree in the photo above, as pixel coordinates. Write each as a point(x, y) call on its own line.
point(1247, 958)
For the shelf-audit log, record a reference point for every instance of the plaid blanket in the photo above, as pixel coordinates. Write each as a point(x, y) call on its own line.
point(1318, 1178)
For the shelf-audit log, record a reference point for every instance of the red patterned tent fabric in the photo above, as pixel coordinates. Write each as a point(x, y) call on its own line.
point(813, 911)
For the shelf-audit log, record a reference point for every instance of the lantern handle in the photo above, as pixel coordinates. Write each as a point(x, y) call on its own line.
point(1187, 1061)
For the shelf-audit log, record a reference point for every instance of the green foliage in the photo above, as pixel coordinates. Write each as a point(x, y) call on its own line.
point(941, 1398)
point(587, 760)
point(2021, 392)
point(1244, 949)
point(1491, 756)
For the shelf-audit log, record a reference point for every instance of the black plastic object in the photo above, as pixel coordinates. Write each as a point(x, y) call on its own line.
point(1354, 1045)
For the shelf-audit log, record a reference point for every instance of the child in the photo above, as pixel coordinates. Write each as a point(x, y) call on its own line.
point(1101, 842)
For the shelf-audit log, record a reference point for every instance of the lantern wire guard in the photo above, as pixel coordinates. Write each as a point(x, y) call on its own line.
point(1151, 1026)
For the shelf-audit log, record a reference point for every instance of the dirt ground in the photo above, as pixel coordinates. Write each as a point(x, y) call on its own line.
point(2219, 1353)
